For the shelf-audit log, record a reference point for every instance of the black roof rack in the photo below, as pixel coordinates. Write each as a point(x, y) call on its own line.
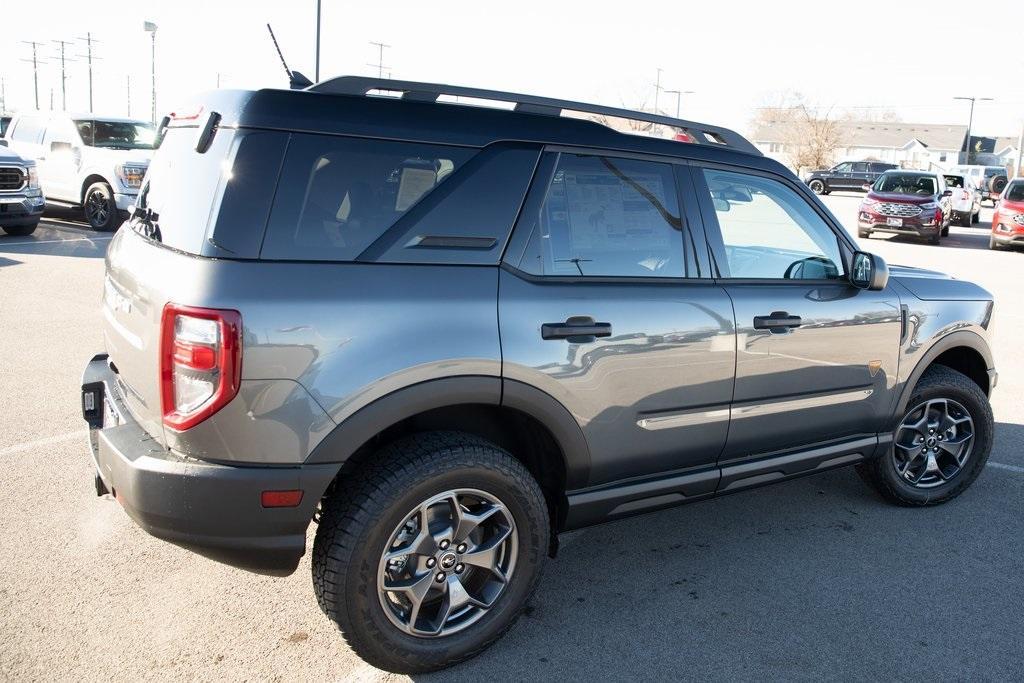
point(699, 133)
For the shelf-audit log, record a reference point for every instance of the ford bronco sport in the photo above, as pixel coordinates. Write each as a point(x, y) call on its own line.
point(446, 333)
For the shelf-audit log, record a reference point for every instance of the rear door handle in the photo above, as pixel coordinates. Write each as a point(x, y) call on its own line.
point(579, 329)
point(778, 321)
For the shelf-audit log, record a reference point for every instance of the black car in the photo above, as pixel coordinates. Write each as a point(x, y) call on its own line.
point(849, 175)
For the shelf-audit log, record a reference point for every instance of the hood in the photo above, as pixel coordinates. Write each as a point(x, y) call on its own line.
point(9, 156)
point(931, 285)
point(139, 157)
point(901, 198)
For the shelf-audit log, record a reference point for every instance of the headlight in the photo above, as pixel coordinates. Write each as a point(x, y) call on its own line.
point(131, 176)
point(930, 205)
point(33, 178)
point(868, 202)
point(1019, 219)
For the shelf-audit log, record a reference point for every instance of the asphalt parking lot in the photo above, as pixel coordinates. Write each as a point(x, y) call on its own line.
point(813, 579)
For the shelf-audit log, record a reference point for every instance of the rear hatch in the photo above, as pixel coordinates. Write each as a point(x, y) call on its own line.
point(156, 257)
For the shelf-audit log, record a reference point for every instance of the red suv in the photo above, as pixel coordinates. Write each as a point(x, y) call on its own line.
point(1008, 220)
point(907, 203)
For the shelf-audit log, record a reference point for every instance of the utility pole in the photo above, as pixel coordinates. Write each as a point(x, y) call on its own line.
point(380, 59)
point(316, 72)
point(63, 74)
point(150, 28)
point(1020, 152)
point(129, 95)
point(970, 121)
point(678, 94)
point(35, 67)
point(657, 90)
point(88, 55)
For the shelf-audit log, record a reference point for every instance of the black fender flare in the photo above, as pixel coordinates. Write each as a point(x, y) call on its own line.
point(357, 429)
point(965, 338)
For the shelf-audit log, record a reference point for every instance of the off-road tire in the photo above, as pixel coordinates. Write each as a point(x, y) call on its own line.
point(357, 520)
point(997, 184)
point(938, 381)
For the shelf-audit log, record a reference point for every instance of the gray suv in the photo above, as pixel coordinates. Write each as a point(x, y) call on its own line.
point(445, 334)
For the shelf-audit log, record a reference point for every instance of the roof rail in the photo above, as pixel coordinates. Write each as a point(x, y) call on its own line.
point(699, 133)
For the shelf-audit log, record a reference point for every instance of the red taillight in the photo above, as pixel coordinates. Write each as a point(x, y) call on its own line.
point(200, 363)
point(938, 215)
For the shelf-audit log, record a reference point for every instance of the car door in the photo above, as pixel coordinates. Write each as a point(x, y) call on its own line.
point(602, 306)
point(59, 160)
point(842, 176)
point(859, 175)
point(816, 357)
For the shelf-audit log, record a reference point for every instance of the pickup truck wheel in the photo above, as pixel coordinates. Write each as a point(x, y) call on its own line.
point(941, 444)
point(22, 230)
point(429, 552)
point(100, 209)
point(817, 187)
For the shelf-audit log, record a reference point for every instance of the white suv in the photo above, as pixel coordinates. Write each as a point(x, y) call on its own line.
point(89, 161)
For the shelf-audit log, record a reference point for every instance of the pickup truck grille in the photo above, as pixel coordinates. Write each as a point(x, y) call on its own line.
point(898, 210)
point(11, 179)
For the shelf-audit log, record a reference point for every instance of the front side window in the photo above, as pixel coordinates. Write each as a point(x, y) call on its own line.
point(843, 168)
point(608, 217)
point(771, 232)
point(1015, 192)
point(116, 134)
point(28, 129)
point(338, 195)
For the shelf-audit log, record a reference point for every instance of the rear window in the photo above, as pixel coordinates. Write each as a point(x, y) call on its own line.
point(338, 195)
point(954, 180)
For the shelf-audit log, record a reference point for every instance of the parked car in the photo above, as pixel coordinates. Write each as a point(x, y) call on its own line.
point(849, 175)
point(915, 203)
point(88, 161)
point(991, 180)
point(447, 333)
point(21, 201)
point(965, 200)
point(1008, 219)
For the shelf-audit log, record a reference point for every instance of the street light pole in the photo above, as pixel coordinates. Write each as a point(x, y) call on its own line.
point(970, 120)
point(150, 28)
point(657, 89)
point(678, 94)
point(316, 73)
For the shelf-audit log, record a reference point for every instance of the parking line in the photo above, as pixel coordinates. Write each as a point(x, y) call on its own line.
point(78, 239)
point(22, 447)
point(1004, 466)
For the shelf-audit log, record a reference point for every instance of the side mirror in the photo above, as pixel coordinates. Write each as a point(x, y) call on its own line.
point(947, 193)
point(3, 142)
point(866, 187)
point(869, 272)
point(56, 146)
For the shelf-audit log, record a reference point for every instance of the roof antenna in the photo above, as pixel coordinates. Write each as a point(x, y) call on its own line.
point(296, 81)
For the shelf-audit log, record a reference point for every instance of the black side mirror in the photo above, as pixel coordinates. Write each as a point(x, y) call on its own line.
point(947, 193)
point(56, 146)
point(3, 142)
point(869, 272)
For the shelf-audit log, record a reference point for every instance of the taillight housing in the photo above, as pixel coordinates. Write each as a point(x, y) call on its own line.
point(200, 362)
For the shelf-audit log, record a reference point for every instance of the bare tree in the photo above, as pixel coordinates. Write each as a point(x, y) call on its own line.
point(809, 135)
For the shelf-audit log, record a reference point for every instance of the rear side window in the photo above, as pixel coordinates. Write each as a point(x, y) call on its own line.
point(338, 195)
point(608, 217)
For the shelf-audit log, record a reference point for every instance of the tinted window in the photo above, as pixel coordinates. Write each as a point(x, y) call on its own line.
point(843, 168)
point(769, 231)
point(1015, 192)
point(860, 167)
point(28, 129)
point(337, 195)
point(953, 180)
point(604, 216)
point(116, 134)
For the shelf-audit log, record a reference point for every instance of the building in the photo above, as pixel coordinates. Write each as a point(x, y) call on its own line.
point(910, 145)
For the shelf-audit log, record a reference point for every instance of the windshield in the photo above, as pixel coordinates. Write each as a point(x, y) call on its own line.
point(1015, 192)
point(954, 180)
point(905, 183)
point(116, 134)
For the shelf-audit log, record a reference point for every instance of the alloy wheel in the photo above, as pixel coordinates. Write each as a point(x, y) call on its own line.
point(97, 209)
point(447, 563)
point(933, 443)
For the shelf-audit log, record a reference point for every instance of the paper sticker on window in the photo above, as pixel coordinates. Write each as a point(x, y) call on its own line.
point(414, 183)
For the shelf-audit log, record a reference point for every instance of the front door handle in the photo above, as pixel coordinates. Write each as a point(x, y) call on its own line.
point(778, 321)
point(579, 329)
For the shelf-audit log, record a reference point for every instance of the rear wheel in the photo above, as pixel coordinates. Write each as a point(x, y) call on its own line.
point(941, 444)
point(99, 207)
point(966, 219)
point(429, 553)
point(935, 239)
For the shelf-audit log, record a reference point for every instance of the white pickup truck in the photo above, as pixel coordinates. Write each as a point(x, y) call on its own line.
point(966, 199)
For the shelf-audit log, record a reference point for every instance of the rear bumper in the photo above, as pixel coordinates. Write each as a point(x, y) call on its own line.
point(214, 510)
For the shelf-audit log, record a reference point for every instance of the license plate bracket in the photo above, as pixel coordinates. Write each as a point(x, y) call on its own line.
point(894, 222)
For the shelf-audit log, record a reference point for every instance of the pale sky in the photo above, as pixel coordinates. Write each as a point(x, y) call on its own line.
point(734, 54)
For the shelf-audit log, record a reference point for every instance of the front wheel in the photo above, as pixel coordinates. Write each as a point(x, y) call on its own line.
point(429, 553)
point(941, 444)
point(100, 209)
point(817, 187)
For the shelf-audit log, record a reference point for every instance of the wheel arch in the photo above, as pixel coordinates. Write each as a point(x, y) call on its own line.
point(88, 181)
point(963, 351)
point(531, 425)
